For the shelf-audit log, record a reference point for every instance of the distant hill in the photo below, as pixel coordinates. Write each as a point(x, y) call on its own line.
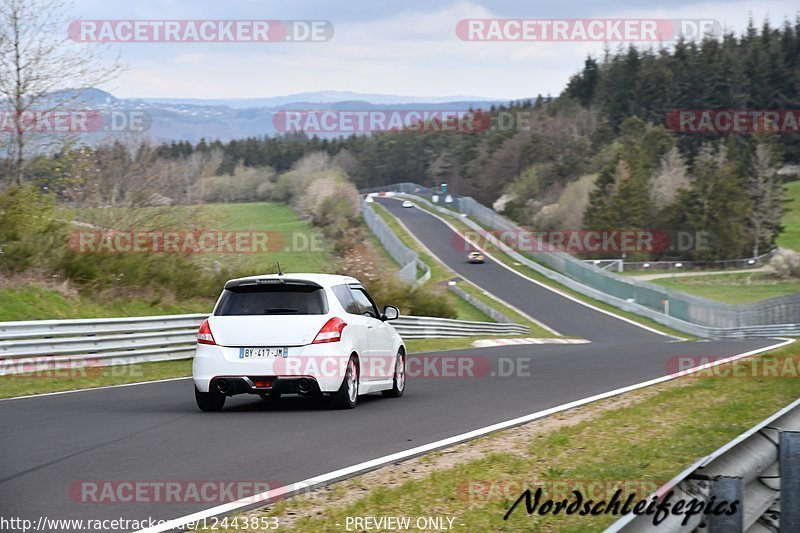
point(318, 97)
point(191, 119)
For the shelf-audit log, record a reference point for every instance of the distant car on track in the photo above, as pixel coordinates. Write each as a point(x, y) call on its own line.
point(407, 203)
point(307, 334)
point(476, 257)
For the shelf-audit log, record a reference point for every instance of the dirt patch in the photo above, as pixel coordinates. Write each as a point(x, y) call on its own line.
point(35, 279)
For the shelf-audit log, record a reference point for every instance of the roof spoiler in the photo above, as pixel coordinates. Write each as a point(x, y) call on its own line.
point(270, 281)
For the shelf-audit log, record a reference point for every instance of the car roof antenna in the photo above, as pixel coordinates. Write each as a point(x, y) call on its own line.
point(280, 272)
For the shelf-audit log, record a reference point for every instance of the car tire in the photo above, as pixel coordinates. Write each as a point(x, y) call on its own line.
point(399, 382)
point(347, 395)
point(209, 401)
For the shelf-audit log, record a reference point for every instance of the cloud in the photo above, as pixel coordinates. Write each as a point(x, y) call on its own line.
point(412, 51)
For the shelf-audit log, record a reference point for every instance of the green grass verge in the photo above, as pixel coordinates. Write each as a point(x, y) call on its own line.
point(790, 238)
point(440, 273)
point(467, 311)
point(40, 303)
point(731, 288)
point(638, 441)
point(531, 273)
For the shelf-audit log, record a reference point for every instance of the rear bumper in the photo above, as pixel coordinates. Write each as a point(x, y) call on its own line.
point(322, 365)
point(233, 385)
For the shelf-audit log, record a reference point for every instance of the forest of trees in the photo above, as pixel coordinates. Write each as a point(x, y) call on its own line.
point(598, 156)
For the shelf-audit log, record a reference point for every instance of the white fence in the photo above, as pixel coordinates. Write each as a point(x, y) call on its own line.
point(407, 258)
point(31, 345)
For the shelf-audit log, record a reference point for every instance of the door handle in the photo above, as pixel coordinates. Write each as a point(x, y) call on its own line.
point(369, 327)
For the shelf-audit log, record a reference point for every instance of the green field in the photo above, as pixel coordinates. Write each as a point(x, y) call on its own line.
point(294, 242)
point(731, 288)
point(790, 238)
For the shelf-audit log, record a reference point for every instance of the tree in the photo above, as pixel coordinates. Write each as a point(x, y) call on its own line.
point(40, 70)
point(766, 193)
point(671, 177)
point(715, 203)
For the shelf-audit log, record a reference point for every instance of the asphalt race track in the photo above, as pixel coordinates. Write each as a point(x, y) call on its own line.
point(154, 432)
point(561, 314)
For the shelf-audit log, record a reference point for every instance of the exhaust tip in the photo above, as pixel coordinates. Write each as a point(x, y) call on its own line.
point(303, 385)
point(223, 385)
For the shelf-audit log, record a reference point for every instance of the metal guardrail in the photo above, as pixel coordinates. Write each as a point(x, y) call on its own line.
point(46, 344)
point(407, 258)
point(416, 327)
point(760, 468)
point(42, 345)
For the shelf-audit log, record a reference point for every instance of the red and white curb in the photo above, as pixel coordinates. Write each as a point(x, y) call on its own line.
point(485, 343)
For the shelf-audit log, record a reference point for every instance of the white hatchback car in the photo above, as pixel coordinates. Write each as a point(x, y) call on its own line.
point(308, 334)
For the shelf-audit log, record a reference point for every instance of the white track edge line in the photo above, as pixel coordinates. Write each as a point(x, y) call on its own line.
point(335, 475)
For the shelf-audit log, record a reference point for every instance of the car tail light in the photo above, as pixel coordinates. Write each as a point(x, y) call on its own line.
point(331, 331)
point(204, 335)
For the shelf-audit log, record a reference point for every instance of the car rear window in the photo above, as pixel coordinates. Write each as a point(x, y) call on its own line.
point(272, 300)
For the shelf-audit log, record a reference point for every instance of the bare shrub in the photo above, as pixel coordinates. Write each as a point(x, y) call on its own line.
point(784, 264)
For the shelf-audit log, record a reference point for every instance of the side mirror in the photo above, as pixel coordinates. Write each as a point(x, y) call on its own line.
point(390, 312)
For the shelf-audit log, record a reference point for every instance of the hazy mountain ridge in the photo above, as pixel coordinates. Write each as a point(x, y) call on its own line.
point(226, 119)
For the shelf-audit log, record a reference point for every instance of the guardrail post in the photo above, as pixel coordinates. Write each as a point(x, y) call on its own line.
point(728, 489)
point(789, 470)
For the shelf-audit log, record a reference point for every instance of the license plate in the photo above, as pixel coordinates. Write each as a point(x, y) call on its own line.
point(261, 353)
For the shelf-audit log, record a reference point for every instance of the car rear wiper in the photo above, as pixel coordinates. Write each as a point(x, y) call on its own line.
point(279, 310)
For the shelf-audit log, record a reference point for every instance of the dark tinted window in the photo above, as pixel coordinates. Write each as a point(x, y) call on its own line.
point(366, 307)
point(272, 300)
point(345, 298)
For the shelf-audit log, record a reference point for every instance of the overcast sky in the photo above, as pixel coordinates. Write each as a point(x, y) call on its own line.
point(405, 47)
